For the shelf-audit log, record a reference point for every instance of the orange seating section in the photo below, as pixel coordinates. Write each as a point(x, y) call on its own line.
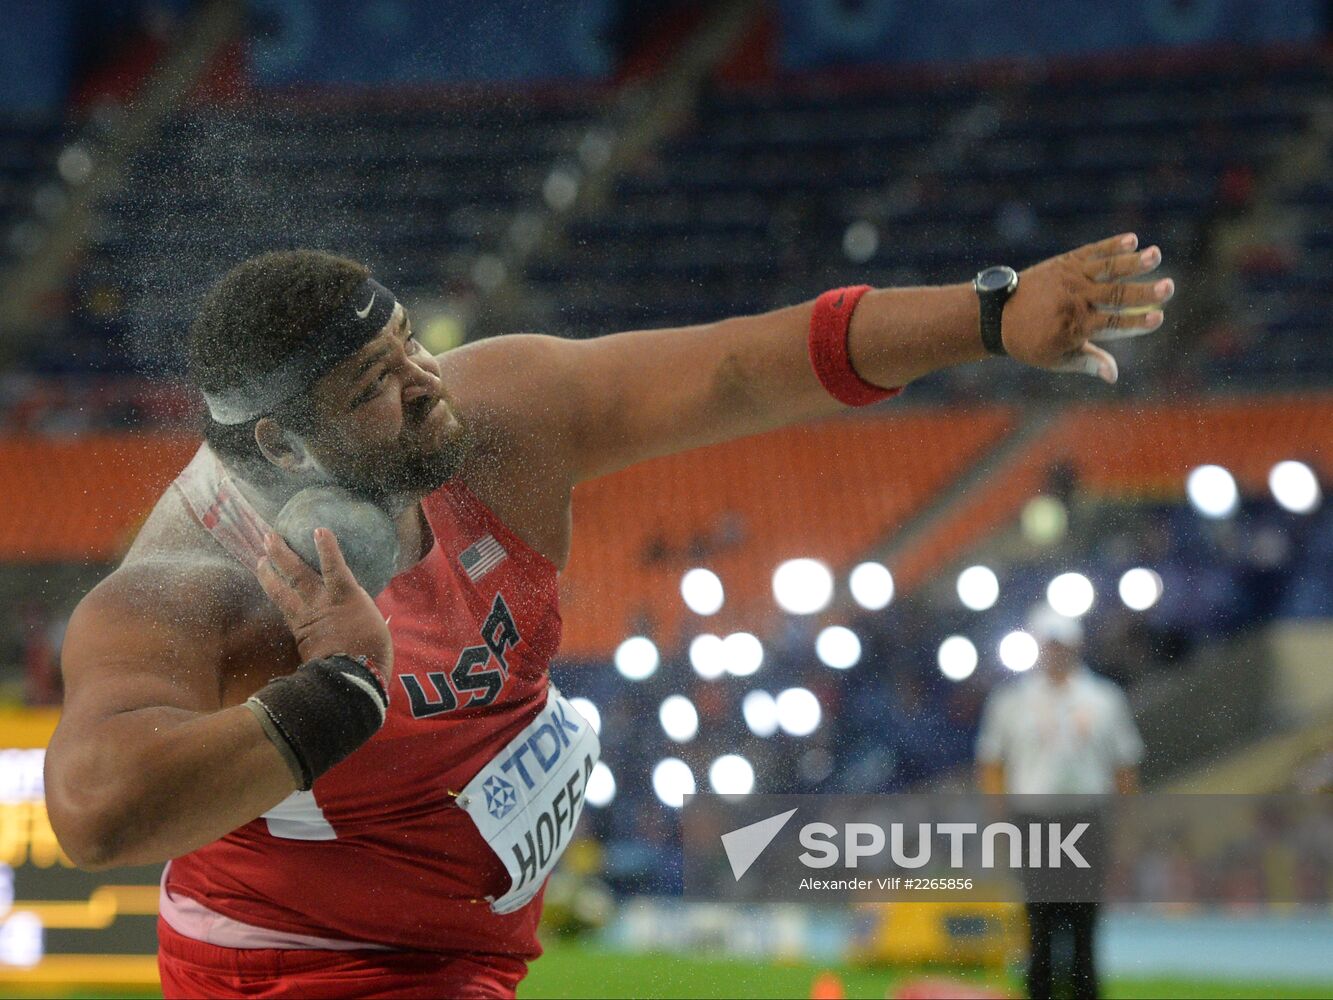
point(832, 491)
point(82, 499)
point(1139, 450)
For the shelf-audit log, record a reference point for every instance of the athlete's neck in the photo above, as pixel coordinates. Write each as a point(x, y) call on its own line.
point(415, 537)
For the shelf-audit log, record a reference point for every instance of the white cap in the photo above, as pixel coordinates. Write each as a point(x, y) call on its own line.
point(1045, 624)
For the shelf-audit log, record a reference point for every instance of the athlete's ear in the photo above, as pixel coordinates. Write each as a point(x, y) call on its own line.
point(283, 448)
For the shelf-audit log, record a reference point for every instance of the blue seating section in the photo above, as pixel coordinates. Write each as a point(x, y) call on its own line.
point(748, 208)
point(411, 190)
point(28, 148)
point(764, 198)
point(1277, 326)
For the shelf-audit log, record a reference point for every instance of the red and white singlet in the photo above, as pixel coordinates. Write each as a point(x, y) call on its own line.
point(382, 853)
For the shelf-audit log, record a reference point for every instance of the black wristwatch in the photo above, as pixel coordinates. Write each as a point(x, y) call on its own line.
point(993, 286)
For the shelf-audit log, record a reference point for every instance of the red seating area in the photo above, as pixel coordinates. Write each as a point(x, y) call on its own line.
point(82, 499)
point(1144, 449)
point(832, 491)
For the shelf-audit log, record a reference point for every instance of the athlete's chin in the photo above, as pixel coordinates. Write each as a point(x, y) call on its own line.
point(438, 459)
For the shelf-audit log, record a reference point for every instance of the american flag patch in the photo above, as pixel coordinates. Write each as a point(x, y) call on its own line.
point(481, 557)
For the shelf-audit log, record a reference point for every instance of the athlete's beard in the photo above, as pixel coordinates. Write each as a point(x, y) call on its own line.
point(397, 479)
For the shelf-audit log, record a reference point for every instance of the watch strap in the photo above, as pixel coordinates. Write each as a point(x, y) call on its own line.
point(992, 316)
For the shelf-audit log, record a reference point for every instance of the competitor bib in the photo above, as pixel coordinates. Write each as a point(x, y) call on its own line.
point(528, 798)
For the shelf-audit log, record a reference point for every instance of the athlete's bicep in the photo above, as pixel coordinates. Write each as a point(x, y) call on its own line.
point(121, 653)
point(132, 670)
point(137, 768)
point(590, 407)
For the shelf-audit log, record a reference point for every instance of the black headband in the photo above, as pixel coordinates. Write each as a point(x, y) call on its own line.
point(355, 323)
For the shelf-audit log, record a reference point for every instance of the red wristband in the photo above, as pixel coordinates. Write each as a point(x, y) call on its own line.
point(828, 349)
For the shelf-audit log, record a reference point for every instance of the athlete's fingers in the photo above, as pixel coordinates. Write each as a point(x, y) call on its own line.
point(1108, 247)
point(1091, 360)
point(338, 579)
point(278, 588)
point(1123, 325)
point(299, 575)
point(1123, 265)
point(1132, 297)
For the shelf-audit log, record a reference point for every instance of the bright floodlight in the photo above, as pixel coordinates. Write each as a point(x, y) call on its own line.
point(1295, 487)
point(702, 591)
point(672, 780)
point(731, 774)
point(798, 711)
point(680, 720)
point(589, 711)
point(803, 586)
point(978, 588)
point(1140, 588)
point(838, 647)
point(21, 940)
point(760, 712)
point(636, 658)
point(958, 658)
point(742, 654)
point(1044, 520)
point(871, 585)
point(860, 241)
point(1018, 651)
point(1212, 490)
point(708, 656)
point(601, 788)
point(1071, 594)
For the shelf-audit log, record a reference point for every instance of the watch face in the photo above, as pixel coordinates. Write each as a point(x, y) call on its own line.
point(995, 279)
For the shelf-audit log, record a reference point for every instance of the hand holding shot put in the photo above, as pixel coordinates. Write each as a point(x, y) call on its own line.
point(340, 696)
point(328, 612)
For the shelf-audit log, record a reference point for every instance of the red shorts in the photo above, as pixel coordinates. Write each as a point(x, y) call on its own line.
point(192, 968)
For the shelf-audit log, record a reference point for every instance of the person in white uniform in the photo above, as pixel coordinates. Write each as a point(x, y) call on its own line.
point(1059, 730)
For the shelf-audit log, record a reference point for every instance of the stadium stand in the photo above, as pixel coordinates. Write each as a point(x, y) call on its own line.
point(1142, 450)
point(1274, 330)
point(759, 202)
point(29, 144)
point(834, 490)
point(82, 499)
point(803, 168)
point(447, 182)
point(773, 194)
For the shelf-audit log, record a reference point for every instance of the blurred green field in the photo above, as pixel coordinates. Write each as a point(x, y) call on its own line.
point(574, 970)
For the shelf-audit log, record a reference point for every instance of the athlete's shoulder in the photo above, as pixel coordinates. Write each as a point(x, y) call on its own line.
point(506, 355)
point(174, 576)
point(513, 390)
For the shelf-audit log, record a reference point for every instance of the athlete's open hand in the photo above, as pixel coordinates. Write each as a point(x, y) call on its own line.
point(1067, 306)
point(328, 612)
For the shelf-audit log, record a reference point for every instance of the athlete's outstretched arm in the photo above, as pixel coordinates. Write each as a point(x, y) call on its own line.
point(599, 405)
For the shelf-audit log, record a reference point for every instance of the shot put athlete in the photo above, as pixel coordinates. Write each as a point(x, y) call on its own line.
point(362, 793)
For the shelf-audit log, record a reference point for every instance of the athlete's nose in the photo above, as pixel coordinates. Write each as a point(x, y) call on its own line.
point(419, 383)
